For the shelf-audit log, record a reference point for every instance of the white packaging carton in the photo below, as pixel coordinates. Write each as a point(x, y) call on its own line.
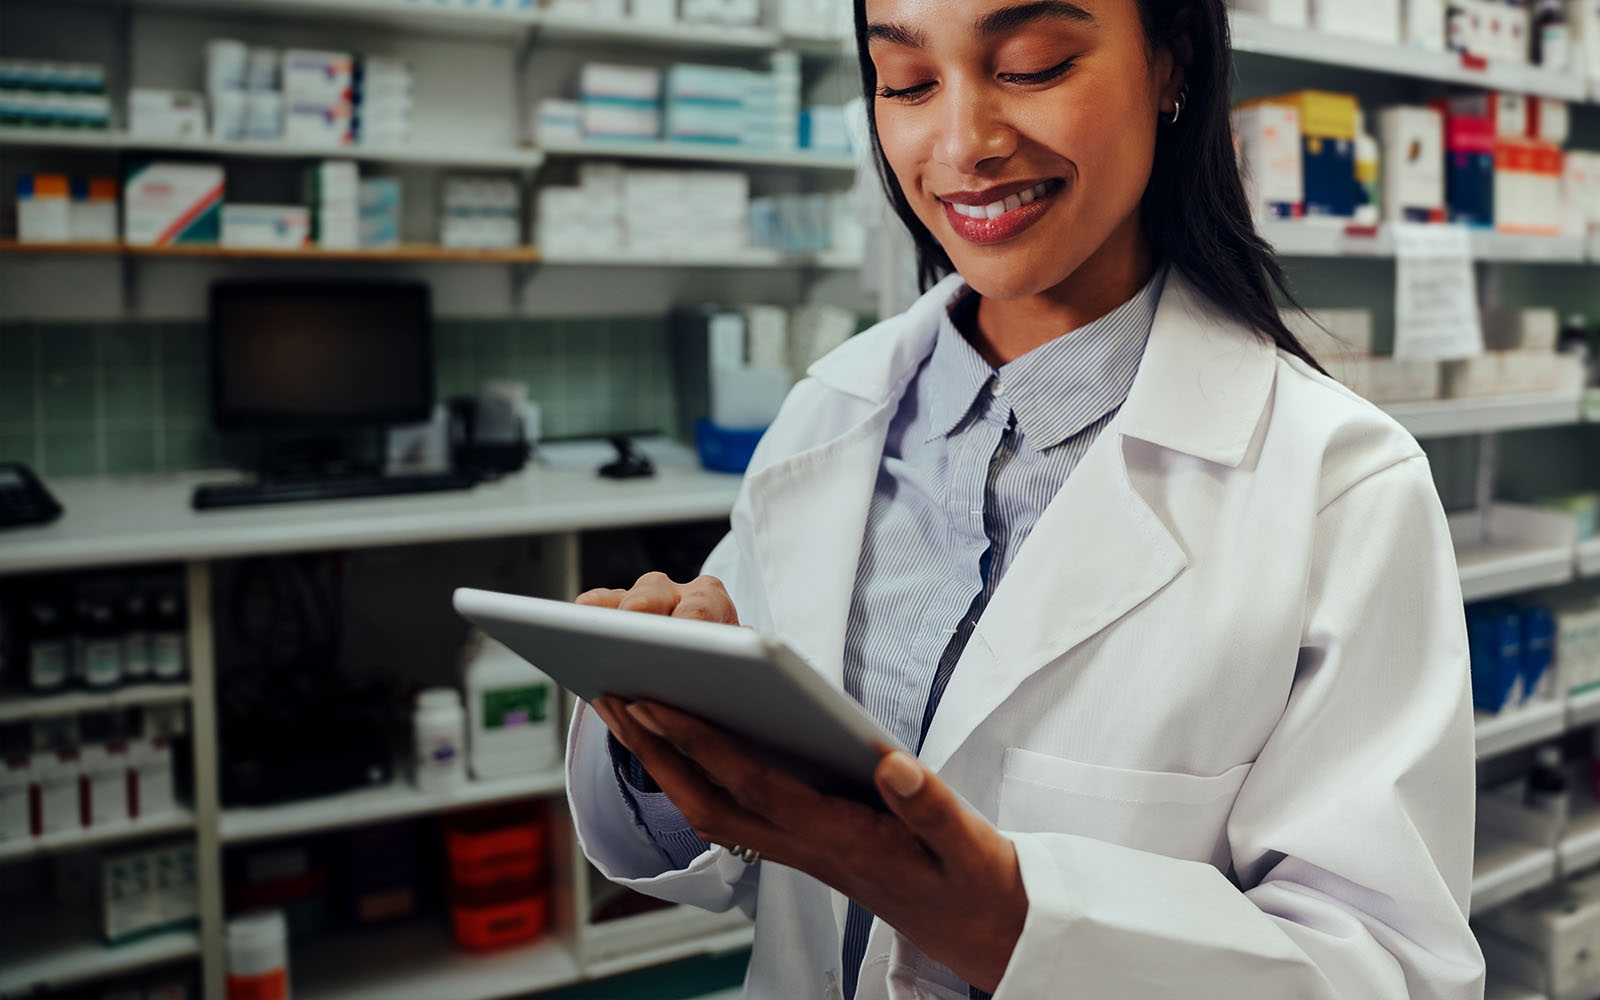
point(105, 768)
point(167, 203)
point(166, 114)
point(1425, 21)
point(152, 762)
point(16, 797)
point(1270, 157)
point(59, 774)
point(1412, 140)
point(266, 227)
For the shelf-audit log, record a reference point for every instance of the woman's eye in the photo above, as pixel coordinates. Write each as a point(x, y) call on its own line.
point(903, 93)
point(1043, 76)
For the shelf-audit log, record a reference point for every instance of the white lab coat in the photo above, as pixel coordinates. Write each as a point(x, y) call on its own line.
point(1219, 702)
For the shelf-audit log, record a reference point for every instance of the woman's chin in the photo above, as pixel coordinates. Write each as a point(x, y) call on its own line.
point(1007, 276)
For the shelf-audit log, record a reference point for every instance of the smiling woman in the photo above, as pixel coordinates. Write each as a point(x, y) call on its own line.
point(1170, 619)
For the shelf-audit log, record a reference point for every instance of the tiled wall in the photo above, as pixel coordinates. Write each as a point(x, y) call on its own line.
point(84, 399)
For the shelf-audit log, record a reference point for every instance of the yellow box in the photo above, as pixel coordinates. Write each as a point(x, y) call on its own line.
point(1323, 114)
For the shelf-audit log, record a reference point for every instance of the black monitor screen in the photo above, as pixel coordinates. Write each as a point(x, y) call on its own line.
point(326, 355)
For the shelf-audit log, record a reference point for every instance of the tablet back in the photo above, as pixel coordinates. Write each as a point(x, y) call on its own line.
point(741, 680)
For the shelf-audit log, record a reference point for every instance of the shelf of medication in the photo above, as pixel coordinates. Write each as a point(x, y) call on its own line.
point(754, 257)
point(1340, 238)
point(408, 253)
point(511, 158)
point(698, 152)
point(45, 951)
point(1583, 708)
point(1453, 417)
point(419, 959)
point(660, 936)
point(505, 21)
point(1501, 990)
point(14, 849)
point(1257, 35)
point(1533, 722)
point(1504, 867)
point(1508, 548)
point(394, 800)
point(17, 707)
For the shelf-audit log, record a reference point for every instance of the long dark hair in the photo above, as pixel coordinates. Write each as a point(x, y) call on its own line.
point(1194, 212)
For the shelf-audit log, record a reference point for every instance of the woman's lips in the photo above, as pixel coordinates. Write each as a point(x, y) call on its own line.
point(1004, 226)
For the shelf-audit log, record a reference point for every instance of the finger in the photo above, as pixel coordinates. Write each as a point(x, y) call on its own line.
point(654, 593)
point(601, 597)
point(706, 599)
point(928, 806)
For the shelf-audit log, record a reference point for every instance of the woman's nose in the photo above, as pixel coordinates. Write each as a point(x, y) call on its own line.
point(974, 129)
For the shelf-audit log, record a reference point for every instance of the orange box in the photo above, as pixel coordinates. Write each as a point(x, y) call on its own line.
point(1527, 188)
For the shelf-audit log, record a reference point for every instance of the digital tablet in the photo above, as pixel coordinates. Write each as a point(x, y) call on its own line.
point(738, 679)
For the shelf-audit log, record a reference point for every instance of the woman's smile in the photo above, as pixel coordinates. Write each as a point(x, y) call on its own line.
point(999, 213)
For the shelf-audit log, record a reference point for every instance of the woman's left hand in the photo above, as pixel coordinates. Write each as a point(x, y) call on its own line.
point(930, 867)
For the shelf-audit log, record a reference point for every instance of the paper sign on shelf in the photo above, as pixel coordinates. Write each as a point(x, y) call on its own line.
point(1435, 297)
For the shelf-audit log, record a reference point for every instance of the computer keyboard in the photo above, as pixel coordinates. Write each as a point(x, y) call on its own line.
point(209, 496)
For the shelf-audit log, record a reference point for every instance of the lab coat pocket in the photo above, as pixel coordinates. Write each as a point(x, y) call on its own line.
point(1164, 812)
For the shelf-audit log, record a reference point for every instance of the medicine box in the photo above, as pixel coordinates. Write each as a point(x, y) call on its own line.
point(266, 227)
point(105, 768)
point(622, 83)
point(147, 890)
point(1270, 159)
point(1527, 188)
point(316, 77)
point(16, 797)
point(1328, 155)
point(171, 203)
point(1549, 120)
point(1551, 938)
point(1294, 13)
point(44, 208)
point(166, 114)
point(1469, 160)
point(92, 217)
point(1425, 20)
point(1412, 139)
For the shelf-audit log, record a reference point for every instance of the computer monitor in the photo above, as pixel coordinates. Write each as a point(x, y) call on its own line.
point(320, 357)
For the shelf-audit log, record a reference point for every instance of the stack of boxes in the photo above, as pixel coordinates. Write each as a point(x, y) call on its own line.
point(585, 220)
point(809, 18)
point(55, 208)
point(1520, 359)
point(823, 128)
point(319, 97)
point(670, 213)
point(1328, 129)
point(807, 223)
point(242, 86)
point(166, 114)
point(480, 213)
point(687, 103)
point(333, 190)
point(384, 101)
point(707, 104)
point(728, 12)
point(784, 114)
point(380, 213)
point(620, 102)
point(36, 94)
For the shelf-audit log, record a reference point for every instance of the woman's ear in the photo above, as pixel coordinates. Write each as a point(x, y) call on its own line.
point(1179, 51)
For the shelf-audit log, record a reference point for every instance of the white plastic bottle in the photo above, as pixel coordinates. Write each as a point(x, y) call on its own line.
point(440, 727)
point(513, 709)
point(258, 956)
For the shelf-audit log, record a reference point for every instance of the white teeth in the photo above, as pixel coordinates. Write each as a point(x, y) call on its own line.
point(995, 209)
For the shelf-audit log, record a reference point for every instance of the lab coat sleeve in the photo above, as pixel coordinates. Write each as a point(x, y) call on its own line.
point(1351, 837)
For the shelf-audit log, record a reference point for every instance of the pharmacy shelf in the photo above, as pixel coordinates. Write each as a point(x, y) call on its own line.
point(1525, 725)
point(178, 821)
point(1452, 417)
point(1262, 37)
point(679, 35)
point(16, 707)
point(409, 253)
point(465, 157)
point(1504, 868)
point(371, 805)
point(427, 16)
point(1498, 989)
point(1589, 557)
point(419, 961)
point(1495, 569)
point(1583, 708)
point(44, 952)
point(657, 936)
point(1339, 238)
point(1579, 847)
point(749, 258)
point(704, 153)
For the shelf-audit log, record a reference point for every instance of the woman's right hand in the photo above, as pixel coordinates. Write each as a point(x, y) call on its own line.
point(703, 598)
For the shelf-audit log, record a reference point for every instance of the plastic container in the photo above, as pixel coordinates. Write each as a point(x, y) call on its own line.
point(479, 928)
point(101, 645)
point(136, 665)
point(440, 725)
point(499, 875)
point(511, 709)
point(48, 658)
point(258, 956)
point(725, 449)
point(169, 634)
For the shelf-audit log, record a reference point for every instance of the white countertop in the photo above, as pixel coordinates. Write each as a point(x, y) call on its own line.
point(136, 519)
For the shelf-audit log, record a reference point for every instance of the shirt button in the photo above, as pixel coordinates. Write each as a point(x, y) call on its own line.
point(999, 388)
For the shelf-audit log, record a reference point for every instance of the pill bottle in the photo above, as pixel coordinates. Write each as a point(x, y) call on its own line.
point(440, 725)
point(258, 956)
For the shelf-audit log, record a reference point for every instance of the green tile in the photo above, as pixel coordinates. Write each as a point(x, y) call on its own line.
point(69, 398)
point(126, 346)
point(454, 378)
point(452, 341)
point(185, 398)
point(130, 451)
point(183, 344)
point(190, 447)
point(129, 396)
point(70, 453)
point(16, 349)
point(66, 346)
point(18, 447)
point(491, 347)
point(16, 399)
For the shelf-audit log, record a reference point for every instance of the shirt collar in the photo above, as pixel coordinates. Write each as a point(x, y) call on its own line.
point(1055, 390)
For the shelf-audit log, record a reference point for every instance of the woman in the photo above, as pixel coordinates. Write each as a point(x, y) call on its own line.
point(1172, 619)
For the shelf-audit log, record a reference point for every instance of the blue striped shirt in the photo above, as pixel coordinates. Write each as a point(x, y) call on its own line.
point(972, 458)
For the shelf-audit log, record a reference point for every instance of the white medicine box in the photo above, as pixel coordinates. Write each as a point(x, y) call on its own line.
point(1270, 158)
point(105, 768)
point(1412, 139)
point(512, 711)
point(16, 797)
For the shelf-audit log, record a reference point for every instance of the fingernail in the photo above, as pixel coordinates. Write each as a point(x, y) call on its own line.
point(641, 715)
point(902, 774)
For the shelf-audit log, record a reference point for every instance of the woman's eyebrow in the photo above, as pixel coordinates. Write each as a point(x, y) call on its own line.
point(997, 22)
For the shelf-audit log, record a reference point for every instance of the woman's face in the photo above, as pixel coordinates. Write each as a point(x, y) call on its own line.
point(1022, 133)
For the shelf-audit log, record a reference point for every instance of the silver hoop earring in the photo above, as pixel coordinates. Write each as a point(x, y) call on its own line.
point(1177, 104)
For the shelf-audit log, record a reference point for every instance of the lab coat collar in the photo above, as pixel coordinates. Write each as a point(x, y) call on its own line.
point(1201, 388)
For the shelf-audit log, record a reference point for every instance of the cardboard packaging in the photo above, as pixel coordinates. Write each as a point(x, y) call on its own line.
point(1412, 139)
point(267, 227)
point(166, 114)
point(1328, 156)
point(1270, 158)
point(44, 208)
point(171, 203)
point(1469, 132)
point(1527, 188)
